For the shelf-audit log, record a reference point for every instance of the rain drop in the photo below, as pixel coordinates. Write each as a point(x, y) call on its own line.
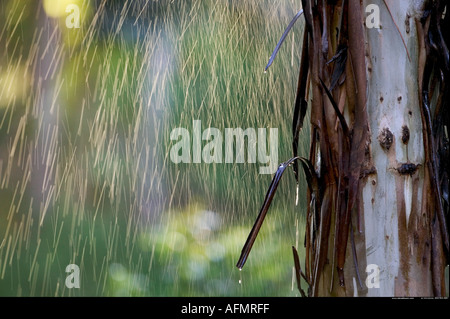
point(240, 276)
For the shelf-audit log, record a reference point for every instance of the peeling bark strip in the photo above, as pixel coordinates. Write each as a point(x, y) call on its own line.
point(337, 65)
point(434, 62)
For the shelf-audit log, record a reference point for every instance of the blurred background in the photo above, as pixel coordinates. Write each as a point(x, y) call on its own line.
point(85, 172)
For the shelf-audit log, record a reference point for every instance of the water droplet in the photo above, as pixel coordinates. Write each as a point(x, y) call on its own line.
point(240, 276)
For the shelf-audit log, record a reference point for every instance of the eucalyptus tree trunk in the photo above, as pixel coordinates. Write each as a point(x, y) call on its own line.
point(375, 75)
point(381, 208)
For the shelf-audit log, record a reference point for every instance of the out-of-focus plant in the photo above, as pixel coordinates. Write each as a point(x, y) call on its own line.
point(85, 118)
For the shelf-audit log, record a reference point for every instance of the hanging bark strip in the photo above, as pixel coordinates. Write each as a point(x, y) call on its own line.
point(437, 58)
point(277, 48)
point(434, 62)
point(298, 271)
point(262, 213)
point(300, 105)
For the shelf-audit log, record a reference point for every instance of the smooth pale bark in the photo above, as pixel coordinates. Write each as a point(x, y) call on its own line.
point(393, 203)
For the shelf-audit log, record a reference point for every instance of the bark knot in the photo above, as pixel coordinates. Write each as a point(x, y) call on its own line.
point(386, 138)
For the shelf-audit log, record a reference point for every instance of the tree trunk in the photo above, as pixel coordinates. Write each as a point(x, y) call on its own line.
point(377, 171)
point(378, 205)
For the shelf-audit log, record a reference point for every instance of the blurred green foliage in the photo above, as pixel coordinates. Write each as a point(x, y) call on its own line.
point(85, 176)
